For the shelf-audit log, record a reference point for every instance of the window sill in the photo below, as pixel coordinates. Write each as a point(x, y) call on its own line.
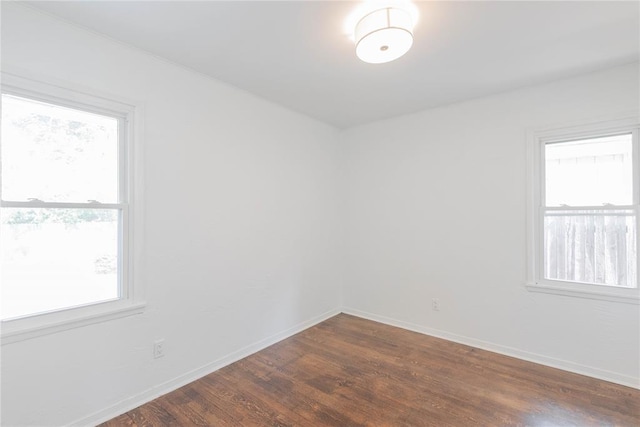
point(36, 326)
point(630, 297)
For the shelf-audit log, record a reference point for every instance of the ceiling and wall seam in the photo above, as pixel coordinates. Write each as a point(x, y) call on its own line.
point(531, 81)
point(167, 61)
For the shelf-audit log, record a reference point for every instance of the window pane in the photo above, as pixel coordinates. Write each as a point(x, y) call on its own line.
point(54, 153)
point(57, 258)
point(589, 172)
point(591, 246)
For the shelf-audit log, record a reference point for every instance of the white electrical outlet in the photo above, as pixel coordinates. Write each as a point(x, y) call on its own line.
point(435, 304)
point(158, 349)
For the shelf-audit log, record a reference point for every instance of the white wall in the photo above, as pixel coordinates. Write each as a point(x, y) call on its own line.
point(252, 211)
point(436, 209)
point(240, 218)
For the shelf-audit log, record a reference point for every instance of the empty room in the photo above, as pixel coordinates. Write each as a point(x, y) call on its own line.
point(319, 213)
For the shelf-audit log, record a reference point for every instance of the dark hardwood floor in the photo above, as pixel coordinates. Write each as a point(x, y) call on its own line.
point(349, 371)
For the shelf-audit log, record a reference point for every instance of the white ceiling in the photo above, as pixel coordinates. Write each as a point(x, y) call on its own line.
point(296, 53)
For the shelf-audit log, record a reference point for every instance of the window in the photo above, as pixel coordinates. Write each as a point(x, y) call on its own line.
point(584, 198)
point(65, 208)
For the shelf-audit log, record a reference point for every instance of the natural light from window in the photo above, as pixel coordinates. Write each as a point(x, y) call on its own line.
point(590, 231)
point(590, 172)
point(59, 245)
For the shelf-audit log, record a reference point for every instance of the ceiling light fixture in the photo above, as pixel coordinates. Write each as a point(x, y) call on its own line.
point(384, 35)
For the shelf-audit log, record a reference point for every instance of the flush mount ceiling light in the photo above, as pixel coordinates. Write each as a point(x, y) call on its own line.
point(384, 35)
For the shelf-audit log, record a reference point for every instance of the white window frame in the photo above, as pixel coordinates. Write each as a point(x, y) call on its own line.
point(536, 140)
point(130, 301)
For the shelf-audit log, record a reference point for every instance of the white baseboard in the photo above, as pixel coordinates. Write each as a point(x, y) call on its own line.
point(175, 383)
point(576, 368)
point(168, 386)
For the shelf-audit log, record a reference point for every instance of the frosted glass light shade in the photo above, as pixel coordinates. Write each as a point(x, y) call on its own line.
point(384, 35)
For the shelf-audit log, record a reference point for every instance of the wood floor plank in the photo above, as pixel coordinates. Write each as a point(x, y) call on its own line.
point(300, 393)
point(122, 420)
point(349, 371)
point(190, 408)
point(153, 414)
